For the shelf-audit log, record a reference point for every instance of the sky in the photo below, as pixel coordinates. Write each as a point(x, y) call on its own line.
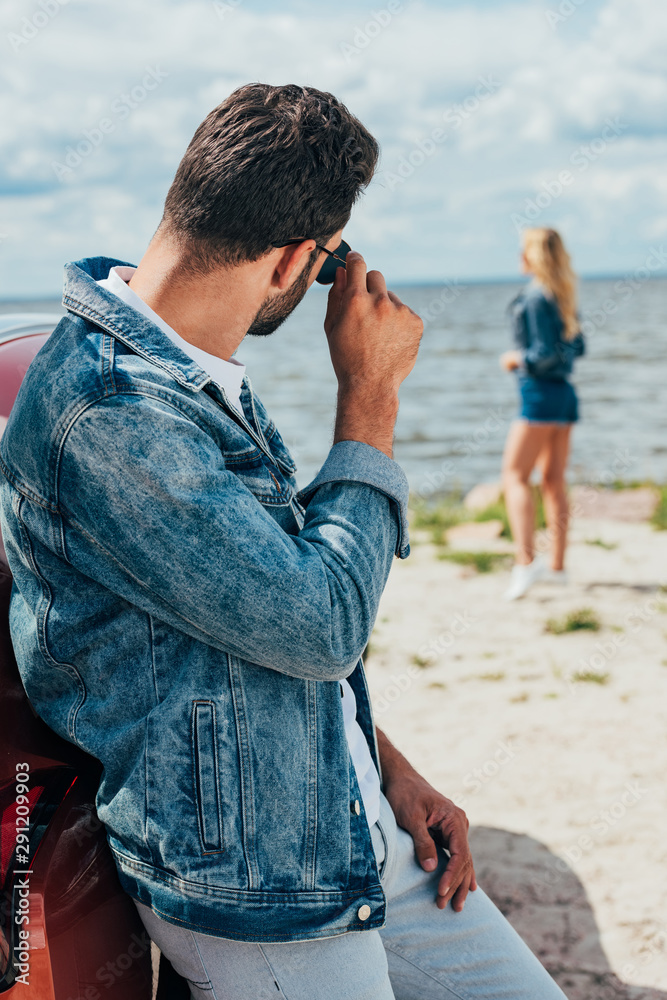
point(490, 116)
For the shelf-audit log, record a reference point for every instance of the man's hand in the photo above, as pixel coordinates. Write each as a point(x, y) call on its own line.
point(430, 819)
point(373, 339)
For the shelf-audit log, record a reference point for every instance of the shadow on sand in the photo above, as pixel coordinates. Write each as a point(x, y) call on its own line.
point(544, 900)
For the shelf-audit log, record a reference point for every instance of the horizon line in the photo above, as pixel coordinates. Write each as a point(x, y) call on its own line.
point(414, 283)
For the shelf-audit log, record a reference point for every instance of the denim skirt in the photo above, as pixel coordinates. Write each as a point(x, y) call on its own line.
point(545, 401)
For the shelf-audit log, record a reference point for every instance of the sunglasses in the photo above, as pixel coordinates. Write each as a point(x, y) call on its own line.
point(335, 259)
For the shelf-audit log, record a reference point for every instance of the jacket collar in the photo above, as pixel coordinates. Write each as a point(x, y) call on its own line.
point(84, 297)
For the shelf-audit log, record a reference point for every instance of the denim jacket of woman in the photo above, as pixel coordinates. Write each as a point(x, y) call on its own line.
point(539, 335)
point(181, 614)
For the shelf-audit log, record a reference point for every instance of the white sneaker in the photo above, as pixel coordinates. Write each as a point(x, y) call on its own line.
point(523, 577)
point(559, 576)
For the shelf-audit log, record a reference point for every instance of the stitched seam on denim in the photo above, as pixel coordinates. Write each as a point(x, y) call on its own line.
point(277, 938)
point(41, 616)
point(62, 548)
point(273, 974)
point(286, 463)
point(311, 802)
point(401, 543)
point(204, 970)
point(245, 773)
point(107, 364)
point(258, 426)
point(215, 640)
point(166, 400)
point(275, 481)
point(126, 390)
point(151, 639)
point(26, 490)
point(245, 425)
point(256, 895)
point(98, 319)
point(239, 457)
point(435, 979)
point(197, 778)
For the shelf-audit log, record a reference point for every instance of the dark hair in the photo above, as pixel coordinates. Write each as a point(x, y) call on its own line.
point(268, 164)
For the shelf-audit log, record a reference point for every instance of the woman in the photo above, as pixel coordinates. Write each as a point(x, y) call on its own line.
point(547, 338)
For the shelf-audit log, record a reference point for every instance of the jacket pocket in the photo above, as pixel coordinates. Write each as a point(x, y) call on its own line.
point(206, 777)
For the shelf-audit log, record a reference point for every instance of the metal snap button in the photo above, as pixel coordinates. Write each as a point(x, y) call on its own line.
point(356, 808)
point(364, 912)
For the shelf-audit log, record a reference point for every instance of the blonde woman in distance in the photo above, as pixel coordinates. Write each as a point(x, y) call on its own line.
point(547, 340)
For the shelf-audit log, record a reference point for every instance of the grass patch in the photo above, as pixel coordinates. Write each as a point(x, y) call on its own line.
point(518, 698)
point(437, 518)
point(438, 684)
point(574, 621)
point(494, 512)
point(498, 676)
point(659, 519)
point(589, 677)
point(483, 562)
point(609, 546)
point(629, 484)
point(421, 661)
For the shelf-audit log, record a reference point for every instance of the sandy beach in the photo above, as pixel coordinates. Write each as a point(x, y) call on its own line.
point(553, 743)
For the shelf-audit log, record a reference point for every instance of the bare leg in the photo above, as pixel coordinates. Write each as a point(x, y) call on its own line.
point(524, 443)
point(553, 462)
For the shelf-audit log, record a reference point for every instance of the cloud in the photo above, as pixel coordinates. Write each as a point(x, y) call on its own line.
point(120, 88)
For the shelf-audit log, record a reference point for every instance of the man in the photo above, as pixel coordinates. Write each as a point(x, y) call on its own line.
point(186, 617)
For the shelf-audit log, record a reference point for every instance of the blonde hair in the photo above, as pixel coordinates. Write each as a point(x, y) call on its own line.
point(549, 261)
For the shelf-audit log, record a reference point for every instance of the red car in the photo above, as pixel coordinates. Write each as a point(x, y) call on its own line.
point(67, 929)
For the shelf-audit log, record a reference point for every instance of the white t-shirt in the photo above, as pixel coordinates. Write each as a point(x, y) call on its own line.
point(368, 778)
point(229, 376)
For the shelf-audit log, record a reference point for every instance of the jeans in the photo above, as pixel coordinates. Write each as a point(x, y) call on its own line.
point(422, 953)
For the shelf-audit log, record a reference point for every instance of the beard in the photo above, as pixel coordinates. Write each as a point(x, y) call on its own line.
point(274, 311)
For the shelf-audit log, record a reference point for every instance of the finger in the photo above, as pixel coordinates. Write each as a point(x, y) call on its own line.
point(334, 300)
point(399, 302)
point(473, 881)
point(425, 849)
point(375, 283)
point(458, 867)
point(459, 897)
point(355, 272)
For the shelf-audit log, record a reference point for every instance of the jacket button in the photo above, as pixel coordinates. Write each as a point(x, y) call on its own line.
point(364, 912)
point(356, 808)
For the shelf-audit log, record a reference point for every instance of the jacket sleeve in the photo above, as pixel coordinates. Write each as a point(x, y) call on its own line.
point(536, 335)
point(151, 512)
point(578, 344)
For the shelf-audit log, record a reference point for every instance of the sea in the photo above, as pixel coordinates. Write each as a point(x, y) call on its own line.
point(457, 404)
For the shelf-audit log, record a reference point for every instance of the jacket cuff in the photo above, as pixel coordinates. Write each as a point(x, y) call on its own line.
point(356, 462)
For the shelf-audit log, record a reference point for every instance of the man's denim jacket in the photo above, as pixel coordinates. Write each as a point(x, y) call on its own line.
point(184, 617)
